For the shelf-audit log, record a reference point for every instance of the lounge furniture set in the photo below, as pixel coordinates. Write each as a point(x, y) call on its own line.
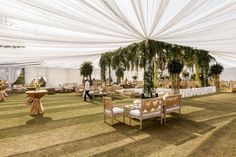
point(98, 90)
point(143, 109)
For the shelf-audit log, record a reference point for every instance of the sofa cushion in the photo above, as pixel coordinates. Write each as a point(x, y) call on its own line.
point(172, 109)
point(137, 102)
point(136, 114)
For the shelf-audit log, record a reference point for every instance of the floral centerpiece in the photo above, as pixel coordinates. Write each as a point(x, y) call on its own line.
point(36, 85)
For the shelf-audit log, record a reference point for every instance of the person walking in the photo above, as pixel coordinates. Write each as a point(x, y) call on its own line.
point(86, 90)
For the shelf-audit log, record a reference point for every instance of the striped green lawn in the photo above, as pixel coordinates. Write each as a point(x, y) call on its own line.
point(72, 127)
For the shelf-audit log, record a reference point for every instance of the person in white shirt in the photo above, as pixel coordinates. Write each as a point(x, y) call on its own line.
point(86, 90)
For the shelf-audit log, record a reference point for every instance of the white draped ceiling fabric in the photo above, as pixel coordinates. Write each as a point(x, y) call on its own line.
point(64, 33)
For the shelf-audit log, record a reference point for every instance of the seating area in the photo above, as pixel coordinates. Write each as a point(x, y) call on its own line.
point(143, 109)
point(118, 78)
point(78, 127)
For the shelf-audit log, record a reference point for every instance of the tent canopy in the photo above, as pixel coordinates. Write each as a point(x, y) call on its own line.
point(67, 32)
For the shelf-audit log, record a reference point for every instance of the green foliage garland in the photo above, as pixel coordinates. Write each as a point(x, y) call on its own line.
point(155, 55)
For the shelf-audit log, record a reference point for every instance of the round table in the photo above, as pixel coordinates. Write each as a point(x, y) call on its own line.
point(3, 93)
point(37, 106)
point(30, 88)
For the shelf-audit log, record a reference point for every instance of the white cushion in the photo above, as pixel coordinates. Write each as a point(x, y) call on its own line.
point(135, 113)
point(137, 103)
point(116, 110)
point(168, 110)
point(146, 115)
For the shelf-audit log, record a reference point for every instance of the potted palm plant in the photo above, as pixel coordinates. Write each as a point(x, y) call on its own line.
point(175, 67)
point(185, 75)
point(86, 69)
point(119, 74)
point(215, 71)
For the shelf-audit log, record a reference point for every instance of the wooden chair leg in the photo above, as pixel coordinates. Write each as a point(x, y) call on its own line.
point(104, 117)
point(165, 117)
point(141, 124)
point(123, 118)
point(129, 120)
point(112, 120)
point(179, 112)
point(161, 119)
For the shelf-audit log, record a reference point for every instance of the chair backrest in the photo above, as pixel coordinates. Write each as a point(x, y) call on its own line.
point(107, 103)
point(150, 105)
point(113, 89)
point(95, 85)
point(79, 88)
point(173, 100)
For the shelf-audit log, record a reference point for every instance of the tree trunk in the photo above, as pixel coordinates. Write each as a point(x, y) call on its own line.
point(217, 82)
point(205, 72)
point(197, 77)
point(178, 84)
point(118, 79)
point(175, 83)
point(109, 77)
point(172, 82)
point(155, 75)
point(148, 84)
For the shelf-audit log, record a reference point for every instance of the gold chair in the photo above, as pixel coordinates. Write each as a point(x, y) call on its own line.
point(172, 104)
point(110, 109)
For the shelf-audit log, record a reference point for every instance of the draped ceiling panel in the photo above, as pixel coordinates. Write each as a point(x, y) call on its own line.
point(65, 33)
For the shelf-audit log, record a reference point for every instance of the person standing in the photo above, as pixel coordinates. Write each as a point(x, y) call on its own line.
point(86, 90)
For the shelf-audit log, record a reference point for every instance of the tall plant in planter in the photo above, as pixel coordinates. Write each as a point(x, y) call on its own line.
point(109, 58)
point(103, 67)
point(175, 67)
point(104, 63)
point(215, 71)
point(119, 74)
point(86, 69)
point(185, 75)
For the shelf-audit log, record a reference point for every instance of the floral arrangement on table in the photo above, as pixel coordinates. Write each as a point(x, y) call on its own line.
point(36, 85)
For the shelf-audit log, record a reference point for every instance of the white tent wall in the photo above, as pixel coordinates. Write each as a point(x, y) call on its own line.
point(54, 76)
point(96, 74)
point(229, 74)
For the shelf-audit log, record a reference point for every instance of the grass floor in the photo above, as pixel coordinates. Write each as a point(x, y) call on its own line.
point(71, 127)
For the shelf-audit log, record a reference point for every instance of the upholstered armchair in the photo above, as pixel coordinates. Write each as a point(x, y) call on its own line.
point(172, 104)
point(111, 110)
